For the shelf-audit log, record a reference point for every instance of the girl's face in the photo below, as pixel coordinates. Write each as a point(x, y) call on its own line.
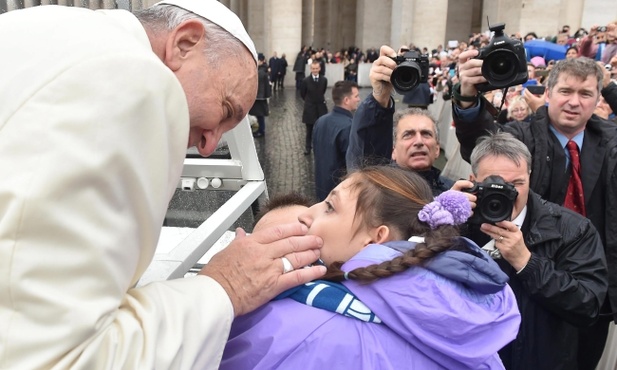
point(333, 221)
point(571, 53)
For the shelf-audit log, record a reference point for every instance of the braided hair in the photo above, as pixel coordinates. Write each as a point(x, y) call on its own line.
point(391, 196)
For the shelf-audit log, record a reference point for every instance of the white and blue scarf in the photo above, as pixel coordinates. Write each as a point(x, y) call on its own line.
point(333, 297)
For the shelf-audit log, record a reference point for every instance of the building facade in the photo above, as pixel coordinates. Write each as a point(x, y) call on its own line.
point(283, 26)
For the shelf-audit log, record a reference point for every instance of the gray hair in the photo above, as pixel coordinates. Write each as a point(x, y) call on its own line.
point(399, 115)
point(500, 144)
point(581, 67)
point(219, 44)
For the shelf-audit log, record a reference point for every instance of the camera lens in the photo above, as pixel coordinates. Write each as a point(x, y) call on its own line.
point(499, 68)
point(405, 77)
point(496, 207)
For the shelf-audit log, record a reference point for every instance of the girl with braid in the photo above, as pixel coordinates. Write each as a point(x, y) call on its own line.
point(403, 289)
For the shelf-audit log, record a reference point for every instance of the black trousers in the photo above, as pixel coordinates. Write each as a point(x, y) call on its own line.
point(591, 341)
point(308, 144)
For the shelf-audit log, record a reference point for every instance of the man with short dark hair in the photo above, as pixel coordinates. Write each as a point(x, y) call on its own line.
point(331, 138)
point(313, 91)
point(416, 138)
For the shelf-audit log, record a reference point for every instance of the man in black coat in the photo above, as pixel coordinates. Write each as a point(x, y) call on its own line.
point(553, 256)
point(313, 91)
point(260, 108)
point(299, 66)
point(572, 94)
point(331, 138)
point(274, 63)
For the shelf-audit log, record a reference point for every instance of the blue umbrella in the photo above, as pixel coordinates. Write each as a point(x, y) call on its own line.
point(545, 49)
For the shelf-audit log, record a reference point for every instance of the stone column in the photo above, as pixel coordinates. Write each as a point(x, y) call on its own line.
point(508, 12)
point(256, 25)
point(243, 11)
point(571, 13)
point(342, 24)
point(308, 15)
point(539, 17)
point(227, 3)
point(401, 24)
point(429, 23)
point(459, 21)
point(597, 12)
point(286, 32)
point(31, 3)
point(372, 17)
point(14, 4)
point(234, 5)
point(321, 20)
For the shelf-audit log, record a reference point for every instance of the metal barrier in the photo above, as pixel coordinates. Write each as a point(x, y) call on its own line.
point(242, 174)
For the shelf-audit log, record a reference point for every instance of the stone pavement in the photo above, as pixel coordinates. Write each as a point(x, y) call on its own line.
point(280, 151)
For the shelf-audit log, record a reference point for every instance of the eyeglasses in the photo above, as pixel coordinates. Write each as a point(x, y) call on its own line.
point(517, 110)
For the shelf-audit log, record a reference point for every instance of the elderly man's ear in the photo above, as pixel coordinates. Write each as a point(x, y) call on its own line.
point(185, 42)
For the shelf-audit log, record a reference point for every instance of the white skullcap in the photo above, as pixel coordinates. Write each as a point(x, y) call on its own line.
point(218, 14)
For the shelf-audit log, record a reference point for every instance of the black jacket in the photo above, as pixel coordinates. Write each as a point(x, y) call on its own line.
point(313, 94)
point(370, 142)
point(549, 178)
point(610, 95)
point(561, 288)
point(264, 91)
point(330, 141)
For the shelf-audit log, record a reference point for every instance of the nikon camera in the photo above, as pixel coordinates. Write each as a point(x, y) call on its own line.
point(505, 61)
point(495, 200)
point(410, 71)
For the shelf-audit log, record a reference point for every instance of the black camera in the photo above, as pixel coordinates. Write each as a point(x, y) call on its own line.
point(505, 61)
point(602, 29)
point(410, 71)
point(495, 200)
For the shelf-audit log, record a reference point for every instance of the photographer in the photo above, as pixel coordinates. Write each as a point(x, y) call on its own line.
point(553, 257)
point(416, 140)
point(573, 90)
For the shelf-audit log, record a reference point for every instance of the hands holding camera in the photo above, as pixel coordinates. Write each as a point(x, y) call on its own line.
point(508, 237)
point(469, 75)
point(380, 73)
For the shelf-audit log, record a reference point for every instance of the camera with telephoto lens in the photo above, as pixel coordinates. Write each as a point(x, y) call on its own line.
point(505, 61)
point(411, 70)
point(495, 200)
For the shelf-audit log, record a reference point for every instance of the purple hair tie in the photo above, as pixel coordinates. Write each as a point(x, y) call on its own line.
point(449, 208)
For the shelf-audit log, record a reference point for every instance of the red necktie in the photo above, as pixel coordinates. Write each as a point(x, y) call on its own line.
point(575, 199)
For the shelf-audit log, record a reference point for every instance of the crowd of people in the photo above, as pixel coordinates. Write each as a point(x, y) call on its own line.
point(396, 266)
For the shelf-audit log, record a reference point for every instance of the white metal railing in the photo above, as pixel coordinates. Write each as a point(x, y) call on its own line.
point(242, 174)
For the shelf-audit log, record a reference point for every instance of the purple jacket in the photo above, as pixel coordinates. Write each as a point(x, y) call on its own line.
point(440, 316)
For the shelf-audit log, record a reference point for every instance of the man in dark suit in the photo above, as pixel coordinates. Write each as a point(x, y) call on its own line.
point(331, 138)
point(572, 94)
point(312, 92)
point(274, 65)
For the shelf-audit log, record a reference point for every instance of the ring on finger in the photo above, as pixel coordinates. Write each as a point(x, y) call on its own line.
point(500, 238)
point(287, 266)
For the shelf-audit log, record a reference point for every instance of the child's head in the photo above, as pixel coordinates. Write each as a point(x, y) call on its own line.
point(281, 209)
point(373, 205)
point(379, 204)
